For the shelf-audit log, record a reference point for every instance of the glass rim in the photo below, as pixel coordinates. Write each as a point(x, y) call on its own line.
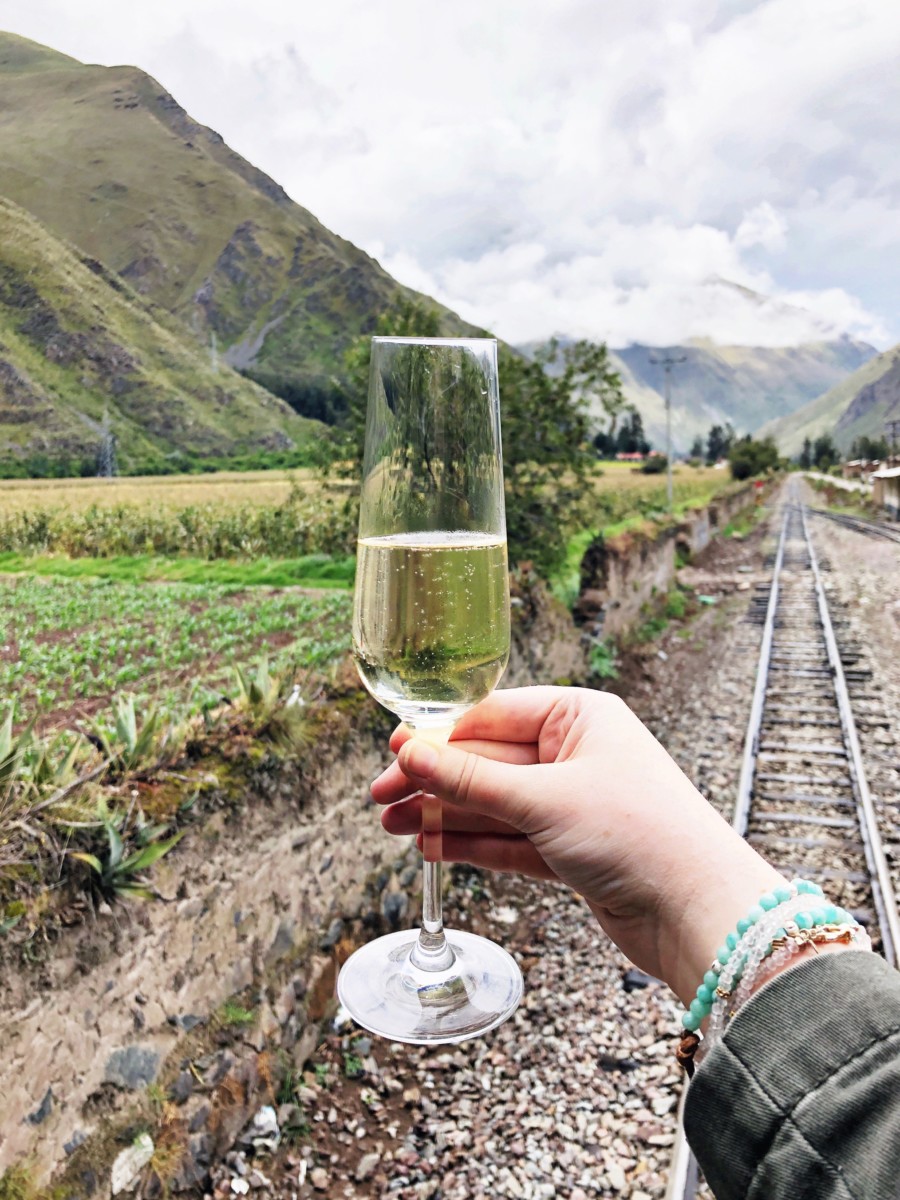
point(437, 341)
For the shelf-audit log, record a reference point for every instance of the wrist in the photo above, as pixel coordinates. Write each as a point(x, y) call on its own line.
point(692, 934)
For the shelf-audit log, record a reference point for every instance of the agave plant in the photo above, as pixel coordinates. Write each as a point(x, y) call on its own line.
point(119, 875)
point(131, 743)
point(273, 702)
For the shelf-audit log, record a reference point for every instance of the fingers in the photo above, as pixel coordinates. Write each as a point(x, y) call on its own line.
point(511, 715)
point(513, 855)
point(406, 817)
point(392, 785)
point(500, 790)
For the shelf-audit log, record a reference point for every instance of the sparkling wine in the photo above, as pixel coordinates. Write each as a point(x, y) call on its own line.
point(431, 622)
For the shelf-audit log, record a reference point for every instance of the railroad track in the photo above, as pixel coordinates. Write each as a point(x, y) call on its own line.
point(859, 524)
point(803, 798)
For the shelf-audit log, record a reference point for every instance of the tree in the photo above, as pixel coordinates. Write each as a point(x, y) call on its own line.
point(869, 448)
point(631, 438)
point(344, 450)
point(824, 453)
point(697, 447)
point(547, 451)
point(719, 441)
point(747, 457)
point(806, 455)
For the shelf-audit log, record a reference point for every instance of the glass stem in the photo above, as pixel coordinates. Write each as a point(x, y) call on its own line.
point(432, 952)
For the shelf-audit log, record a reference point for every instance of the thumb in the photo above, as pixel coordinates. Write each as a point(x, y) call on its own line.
point(479, 785)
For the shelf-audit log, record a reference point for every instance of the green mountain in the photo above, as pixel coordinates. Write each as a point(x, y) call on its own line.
point(78, 345)
point(858, 405)
point(743, 385)
point(746, 385)
point(105, 158)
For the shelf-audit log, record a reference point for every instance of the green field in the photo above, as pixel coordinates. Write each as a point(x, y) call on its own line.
point(67, 646)
point(160, 587)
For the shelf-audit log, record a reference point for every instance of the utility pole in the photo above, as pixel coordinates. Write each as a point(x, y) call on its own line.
point(106, 455)
point(667, 363)
point(892, 430)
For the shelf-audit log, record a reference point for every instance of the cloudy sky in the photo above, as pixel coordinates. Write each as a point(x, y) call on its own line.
point(606, 168)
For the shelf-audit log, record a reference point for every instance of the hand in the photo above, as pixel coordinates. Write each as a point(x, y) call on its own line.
point(566, 783)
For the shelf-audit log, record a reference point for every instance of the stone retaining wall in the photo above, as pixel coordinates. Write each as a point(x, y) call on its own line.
point(621, 576)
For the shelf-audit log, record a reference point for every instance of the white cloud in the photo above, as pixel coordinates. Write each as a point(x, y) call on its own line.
point(560, 164)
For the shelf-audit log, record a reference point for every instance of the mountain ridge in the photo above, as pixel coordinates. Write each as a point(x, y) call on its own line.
point(109, 161)
point(857, 405)
point(78, 346)
point(743, 385)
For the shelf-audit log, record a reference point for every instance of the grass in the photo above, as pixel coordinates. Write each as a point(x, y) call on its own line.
point(310, 571)
point(235, 1016)
point(17, 1184)
point(626, 500)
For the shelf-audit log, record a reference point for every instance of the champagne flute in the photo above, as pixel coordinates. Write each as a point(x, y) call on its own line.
point(431, 639)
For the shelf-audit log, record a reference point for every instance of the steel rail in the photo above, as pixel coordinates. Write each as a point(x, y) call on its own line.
point(683, 1171)
point(858, 524)
point(741, 813)
point(882, 890)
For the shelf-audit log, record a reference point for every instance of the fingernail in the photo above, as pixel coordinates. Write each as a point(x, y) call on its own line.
point(419, 759)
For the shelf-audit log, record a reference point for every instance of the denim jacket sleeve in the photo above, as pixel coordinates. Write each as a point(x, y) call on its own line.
point(801, 1099)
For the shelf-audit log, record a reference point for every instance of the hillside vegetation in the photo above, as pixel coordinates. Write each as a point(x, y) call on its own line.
point(857, 406)
point(108, 160)
point(76, 343)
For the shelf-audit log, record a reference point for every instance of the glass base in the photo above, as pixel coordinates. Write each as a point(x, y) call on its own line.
point(386, 995)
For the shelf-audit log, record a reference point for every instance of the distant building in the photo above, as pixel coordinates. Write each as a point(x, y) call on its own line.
point(630, 456)
point(886, 490)
point(860, 468)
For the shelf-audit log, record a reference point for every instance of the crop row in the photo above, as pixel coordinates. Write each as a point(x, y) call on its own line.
point(301, 526)
point(64, 641)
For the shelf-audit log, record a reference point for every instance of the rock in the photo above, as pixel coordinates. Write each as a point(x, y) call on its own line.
point(318, 1177)
point(183, 1087)
point(283, 942)
point(504, 915)
point(78, 1138)
point(633, 978)
point(42, 1112)
point(263, 1133)
point(286, 1003)
point(367, 1167)
point(305, 1048)
point(240, 1187)
point(334, 934)
point(394, 909)
point(194, 1169)
point(267, 1027)
point(185, 1021)
point(132, 1067)
point(128, 1165)
point(616, 1177)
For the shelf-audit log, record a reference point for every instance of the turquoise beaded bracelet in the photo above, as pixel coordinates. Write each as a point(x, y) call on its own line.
point(701, 1005)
